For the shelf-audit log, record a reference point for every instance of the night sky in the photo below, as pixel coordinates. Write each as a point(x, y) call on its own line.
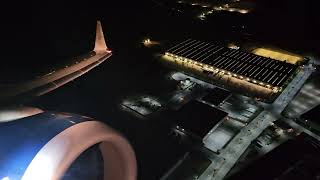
point(57, 30)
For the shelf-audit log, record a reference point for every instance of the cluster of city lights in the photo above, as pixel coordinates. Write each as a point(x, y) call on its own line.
point(221, 71)
point(148, 42)
point(203, 15)
point(230, 9)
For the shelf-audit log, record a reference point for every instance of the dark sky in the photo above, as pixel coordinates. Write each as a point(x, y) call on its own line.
point(52, 21)
point(49, 32)
point(45, 15)
point(42, 32)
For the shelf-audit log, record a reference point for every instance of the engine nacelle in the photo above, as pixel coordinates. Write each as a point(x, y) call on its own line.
point(45, 145)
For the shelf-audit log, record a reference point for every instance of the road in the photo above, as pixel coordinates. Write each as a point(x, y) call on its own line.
point(223, 162)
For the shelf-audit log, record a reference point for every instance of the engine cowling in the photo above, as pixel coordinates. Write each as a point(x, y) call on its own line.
point(45, 145)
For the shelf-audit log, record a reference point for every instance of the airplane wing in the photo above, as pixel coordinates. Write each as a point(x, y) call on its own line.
point(52, 80)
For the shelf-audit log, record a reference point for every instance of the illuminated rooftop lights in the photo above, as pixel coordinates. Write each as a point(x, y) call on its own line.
point(202, 16)
point(233, 46)
point(248, 79)
point(147, 42)
point(254, 81)
point(241, 77)
point(261, 83)
point(235, 75)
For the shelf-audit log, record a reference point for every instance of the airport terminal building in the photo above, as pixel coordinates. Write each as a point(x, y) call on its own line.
point(215, 60)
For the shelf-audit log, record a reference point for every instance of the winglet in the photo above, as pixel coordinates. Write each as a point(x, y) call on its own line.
point(100, 44)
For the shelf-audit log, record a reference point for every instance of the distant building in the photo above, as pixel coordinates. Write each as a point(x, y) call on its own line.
point(216, 96)
point(311, 119)
point(195, 118)
point(295, 159)
point(312, 115)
